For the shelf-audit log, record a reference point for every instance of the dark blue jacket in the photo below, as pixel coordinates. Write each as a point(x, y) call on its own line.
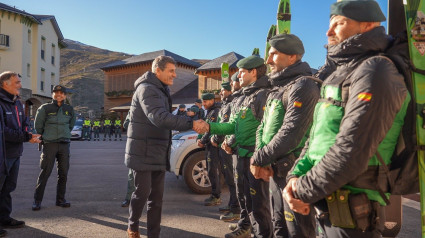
point(15, 124)
point(2, 146)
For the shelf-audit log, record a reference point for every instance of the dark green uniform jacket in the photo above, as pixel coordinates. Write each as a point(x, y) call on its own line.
point(288, 114)
point(55, 123)
point(245, 122)
point(360, 111)
point(212, 116)
point(223, 116)
point(234, 108)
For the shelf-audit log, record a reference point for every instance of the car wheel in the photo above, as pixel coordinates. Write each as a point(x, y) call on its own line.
point(195, 173)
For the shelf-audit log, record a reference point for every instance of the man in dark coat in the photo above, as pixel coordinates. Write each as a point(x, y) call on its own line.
point(148, 146)
point(212, 155)
point(357, 119)
point(15, 133)
point(2, 157)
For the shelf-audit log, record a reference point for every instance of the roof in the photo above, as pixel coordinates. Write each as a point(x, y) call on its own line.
point(15, 10)
point(37, 19)
point(150, 56)
point(231, 58)
point(188, 94)
point(52, 18)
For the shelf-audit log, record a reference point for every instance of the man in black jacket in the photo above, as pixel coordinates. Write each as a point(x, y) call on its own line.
point(2, 157)
point(357, 120)
point(15, 133)
point(212, 156)
point(148, 146)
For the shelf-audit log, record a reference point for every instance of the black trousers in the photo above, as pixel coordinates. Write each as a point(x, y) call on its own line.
point(149, 187)
point(8, 185)
point(213, 166)
point(253, 196)
point(52, 152)
point(227, 170)
point(286, 222)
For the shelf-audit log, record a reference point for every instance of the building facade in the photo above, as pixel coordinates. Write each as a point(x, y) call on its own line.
point(209, 74)
point(121, 75)
point(30, 45)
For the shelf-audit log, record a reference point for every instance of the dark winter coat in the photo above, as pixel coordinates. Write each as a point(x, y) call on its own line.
point(15, 124)
point(151, 121)
point(376, 95)
point(284, 127)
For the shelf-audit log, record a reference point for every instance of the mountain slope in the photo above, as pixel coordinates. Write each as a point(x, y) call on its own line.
point(80, 71)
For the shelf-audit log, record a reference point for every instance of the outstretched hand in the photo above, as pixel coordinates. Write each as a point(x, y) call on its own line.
point(201, 127)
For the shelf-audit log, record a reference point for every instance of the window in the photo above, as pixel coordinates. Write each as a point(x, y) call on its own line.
point(43, 79)
point(53, 54)
point(28, 70)
point(29, 36)
point(52, 81)
point(43, 46)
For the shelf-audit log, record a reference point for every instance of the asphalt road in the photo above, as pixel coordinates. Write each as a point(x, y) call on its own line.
point(96, 186)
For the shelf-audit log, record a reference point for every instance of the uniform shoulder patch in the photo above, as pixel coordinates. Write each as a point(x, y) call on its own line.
point(364, 96)
point(298, 104)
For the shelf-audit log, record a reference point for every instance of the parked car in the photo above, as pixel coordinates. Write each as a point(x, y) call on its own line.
point(188, 160)
point(77, 131)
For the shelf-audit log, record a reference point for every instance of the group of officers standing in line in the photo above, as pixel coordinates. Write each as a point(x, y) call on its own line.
point(107, 126)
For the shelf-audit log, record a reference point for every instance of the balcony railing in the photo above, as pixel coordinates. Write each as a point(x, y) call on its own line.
point(4, 41)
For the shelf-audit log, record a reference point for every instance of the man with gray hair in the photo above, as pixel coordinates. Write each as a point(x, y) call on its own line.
point(148, 146)
point(15, 133)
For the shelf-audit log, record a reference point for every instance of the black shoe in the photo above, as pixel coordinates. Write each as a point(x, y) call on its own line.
point(36, 206)
point(125, 203)
point(3, 233)
point(12, 223)
point(63, 203)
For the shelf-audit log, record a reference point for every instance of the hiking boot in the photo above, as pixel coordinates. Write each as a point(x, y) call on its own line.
point(12, 223)
point(133, 234)
point(239, 233)
point(3, 233)
point(233, 227)
point(36, 205)
point(212, 201)
point(224, 209)
point(230, 216)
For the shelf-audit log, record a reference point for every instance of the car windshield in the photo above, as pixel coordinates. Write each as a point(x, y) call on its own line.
point(79, 122)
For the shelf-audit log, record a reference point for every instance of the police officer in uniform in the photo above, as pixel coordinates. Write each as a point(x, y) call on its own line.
point(107, 124)
point(193, 112)
point(54, 121)
point(253, 193)
point(232, 209)
point(86, 129)
point(117, 129)
point(201, 112)
point(182, 110)
point(283, 130)
point(96, 130)
point(213, 161)
point(356, 125)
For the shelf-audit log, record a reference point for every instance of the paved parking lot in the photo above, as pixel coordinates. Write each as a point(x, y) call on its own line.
point(96, 186)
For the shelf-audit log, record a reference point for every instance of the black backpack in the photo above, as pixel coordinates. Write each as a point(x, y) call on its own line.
point(403, 173)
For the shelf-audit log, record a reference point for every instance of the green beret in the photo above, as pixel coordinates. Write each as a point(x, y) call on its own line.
point(250, 62)
point(226, 85)
point(358, 10)
point(207, 96)
point(235, 77)
point(194, 109)
point(182, 106)
point(288, 44)
point(198, 101)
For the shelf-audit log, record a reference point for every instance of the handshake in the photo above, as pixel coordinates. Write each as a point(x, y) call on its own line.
point(201, 127)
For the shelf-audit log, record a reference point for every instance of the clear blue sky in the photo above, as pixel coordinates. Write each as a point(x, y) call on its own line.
point(195, 29)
